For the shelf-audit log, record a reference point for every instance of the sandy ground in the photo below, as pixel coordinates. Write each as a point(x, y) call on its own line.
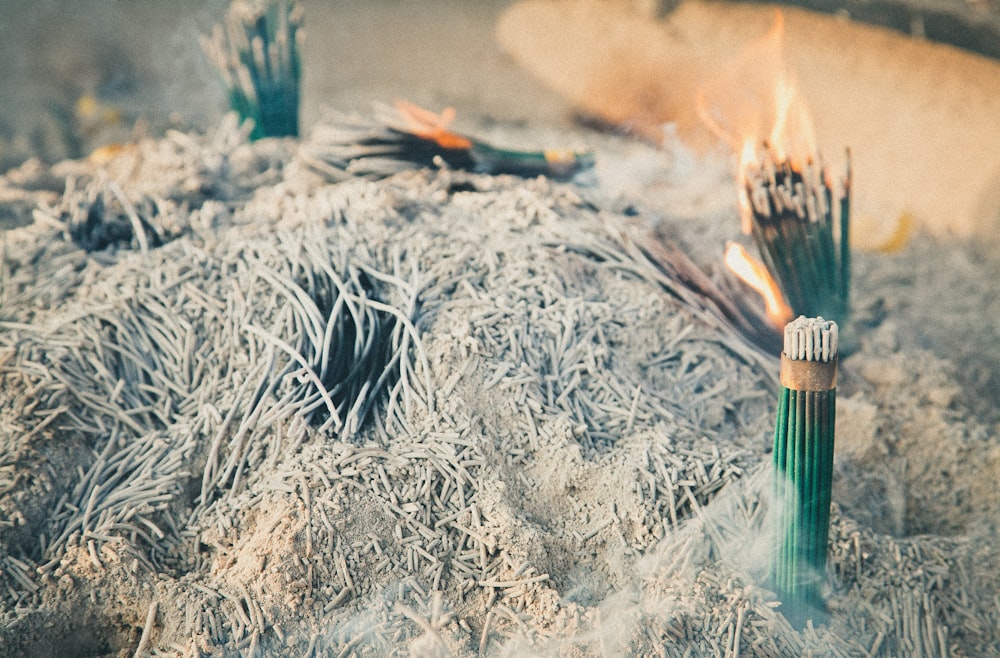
point(574, 461)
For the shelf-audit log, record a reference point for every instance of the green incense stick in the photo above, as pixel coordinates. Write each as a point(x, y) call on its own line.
point(803, 465)
point(257, 55)
point(406, 135)
point(800, 222)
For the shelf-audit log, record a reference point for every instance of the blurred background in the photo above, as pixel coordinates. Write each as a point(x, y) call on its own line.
point(80, 73)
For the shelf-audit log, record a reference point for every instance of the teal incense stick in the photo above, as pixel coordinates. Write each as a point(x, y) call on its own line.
point(407, 135)
point(800, 221)
point(803, 465)
point(258, 56)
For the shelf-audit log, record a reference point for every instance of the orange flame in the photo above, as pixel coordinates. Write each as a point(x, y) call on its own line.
point(754, 273)
point(748, 157)
point(429, 125)
point(753, 105)
point(755, 100)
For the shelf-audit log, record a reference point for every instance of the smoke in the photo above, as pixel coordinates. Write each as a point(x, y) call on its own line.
point(696, 583)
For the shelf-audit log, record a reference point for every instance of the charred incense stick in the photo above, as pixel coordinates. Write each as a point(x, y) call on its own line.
point(800, 222)
point(257, 55)
point(803, 464)
point(406, 135)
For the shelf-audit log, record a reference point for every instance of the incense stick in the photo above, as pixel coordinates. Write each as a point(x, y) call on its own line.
point(800, 222)
point(803, 464)
point(257, 54)
point(405, 136)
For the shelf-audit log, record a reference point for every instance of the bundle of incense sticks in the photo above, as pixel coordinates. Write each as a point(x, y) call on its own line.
point(257, 54)
point(800, 222)
point(803, 464)
point(405, 135)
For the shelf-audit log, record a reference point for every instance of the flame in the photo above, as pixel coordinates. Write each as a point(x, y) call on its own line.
point(754, 101)
point(753, 105)
point(755, 97)
point(748, 157)
point(754, 273)
point(429, 125)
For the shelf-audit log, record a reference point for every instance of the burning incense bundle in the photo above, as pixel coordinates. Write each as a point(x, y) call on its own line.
point(800, 224)
point(803, 463)
point(407, 135)
point(258, 56)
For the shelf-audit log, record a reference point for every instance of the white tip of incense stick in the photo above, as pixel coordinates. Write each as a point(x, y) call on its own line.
point(811, 339)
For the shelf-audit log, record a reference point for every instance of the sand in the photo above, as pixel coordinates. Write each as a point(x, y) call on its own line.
point(570, 457)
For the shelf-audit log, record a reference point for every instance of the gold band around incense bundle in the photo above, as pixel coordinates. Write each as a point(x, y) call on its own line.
point(809, 360)
point(808, 375)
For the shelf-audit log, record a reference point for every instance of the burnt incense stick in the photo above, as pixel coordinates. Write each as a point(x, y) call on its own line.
point(800, 221)
point(803, 465)
point(405, 135)
point(257, 54)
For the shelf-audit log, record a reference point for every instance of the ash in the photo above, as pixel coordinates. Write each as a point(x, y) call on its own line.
point(564, 457)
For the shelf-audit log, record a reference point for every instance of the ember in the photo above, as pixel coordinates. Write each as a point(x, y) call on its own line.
point(405, 136)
